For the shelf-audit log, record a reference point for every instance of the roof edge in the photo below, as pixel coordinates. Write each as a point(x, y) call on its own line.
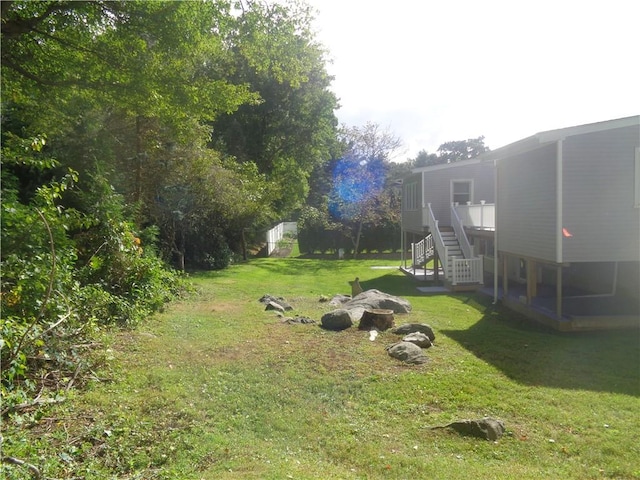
point(443, 166)
point(550, 136)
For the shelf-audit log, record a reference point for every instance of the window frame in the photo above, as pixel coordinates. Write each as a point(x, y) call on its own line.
point(452, 194)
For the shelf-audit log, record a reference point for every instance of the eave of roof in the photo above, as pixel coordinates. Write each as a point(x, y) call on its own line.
point(443, 166)
point(550, 136)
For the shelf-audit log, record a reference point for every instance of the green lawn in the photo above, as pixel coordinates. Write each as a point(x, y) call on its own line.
point(218, 388)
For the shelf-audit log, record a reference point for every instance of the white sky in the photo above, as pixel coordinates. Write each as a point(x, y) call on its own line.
point(432, 71)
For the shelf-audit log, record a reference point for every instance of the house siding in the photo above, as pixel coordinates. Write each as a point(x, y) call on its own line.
point(437, 187)
point(412, 217)
point(526, 206)
point(599, 196)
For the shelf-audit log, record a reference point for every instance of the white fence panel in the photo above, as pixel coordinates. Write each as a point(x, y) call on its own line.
point(278, 232)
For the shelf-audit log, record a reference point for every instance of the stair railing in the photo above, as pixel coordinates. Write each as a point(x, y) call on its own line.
point(417, 253)
point(465, 246)
point(422, 251)
point(443, 250)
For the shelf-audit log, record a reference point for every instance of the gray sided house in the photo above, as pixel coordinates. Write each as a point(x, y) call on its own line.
point(437, 204)
point(549, 224)
point(568, 225)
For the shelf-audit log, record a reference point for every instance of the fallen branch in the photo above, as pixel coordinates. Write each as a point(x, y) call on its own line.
point(16, 461)
point(73, 379)
point(34, 403)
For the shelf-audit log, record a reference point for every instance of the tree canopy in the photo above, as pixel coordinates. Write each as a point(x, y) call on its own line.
point(137, 134)
point(450, 152)
point(149, 93)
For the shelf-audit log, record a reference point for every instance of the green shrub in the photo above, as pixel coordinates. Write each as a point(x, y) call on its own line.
point(65, 272)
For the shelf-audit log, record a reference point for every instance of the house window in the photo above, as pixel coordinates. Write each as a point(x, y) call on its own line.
point(461, 191)
point(411, 196)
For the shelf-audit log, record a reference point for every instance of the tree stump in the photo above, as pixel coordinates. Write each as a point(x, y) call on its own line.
point(378, 318)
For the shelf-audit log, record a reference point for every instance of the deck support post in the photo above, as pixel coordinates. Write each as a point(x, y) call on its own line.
point(505, 275)
point(559, 292)
point(532, 281)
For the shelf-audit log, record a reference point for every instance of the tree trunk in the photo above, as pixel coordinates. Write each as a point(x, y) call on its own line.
point(378, 318)
point(356, 243)
point(244, 245)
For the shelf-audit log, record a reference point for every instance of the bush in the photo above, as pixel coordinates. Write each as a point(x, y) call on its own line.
point(65, 273)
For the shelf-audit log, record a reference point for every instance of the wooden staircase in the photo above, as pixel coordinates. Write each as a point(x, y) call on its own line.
point(461, 271)
point(453, 249)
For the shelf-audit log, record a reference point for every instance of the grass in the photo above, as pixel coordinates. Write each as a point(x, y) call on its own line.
point(218, 388)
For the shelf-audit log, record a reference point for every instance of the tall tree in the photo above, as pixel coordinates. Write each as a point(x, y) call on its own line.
point(450, 152)
point(456, 151)
point(425, 159)
point(293, 128)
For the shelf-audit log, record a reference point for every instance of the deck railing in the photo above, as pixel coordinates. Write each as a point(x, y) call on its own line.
point(482, 215)
point(466, 270)
point(443, 250)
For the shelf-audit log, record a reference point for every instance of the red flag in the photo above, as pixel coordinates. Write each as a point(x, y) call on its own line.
point(566, 233)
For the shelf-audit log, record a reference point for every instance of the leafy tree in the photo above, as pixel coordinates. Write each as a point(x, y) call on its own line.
point(459, 150)
point(450, 152)
point(425, 159)
point(359, 177)
point(292, 129)
point(151, 67)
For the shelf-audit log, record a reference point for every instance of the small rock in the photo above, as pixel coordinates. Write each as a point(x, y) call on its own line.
point(274, 306)
point(419, 338)
point(415, 327)
point(407, 352)
point(487, 428)
point(270, 299)
point(337, 320)
point(298, 320)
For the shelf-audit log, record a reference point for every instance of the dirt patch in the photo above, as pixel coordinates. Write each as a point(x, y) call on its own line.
point(224, 307)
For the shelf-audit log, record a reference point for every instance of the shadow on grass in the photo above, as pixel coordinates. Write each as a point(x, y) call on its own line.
point(393, 284)
point(531, 354)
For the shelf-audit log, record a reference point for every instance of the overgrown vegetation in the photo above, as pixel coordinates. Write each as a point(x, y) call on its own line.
point(218, 388)
point(126, 153)
point(65, 273)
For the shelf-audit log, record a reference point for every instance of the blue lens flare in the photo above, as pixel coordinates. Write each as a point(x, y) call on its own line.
point(354, 182)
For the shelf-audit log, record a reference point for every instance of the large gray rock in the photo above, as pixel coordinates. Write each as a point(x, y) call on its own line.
point(407, 352)
point(375, 299)
point(419, 338)
point(339, 300)
point(339, 319)
point(408, 328)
